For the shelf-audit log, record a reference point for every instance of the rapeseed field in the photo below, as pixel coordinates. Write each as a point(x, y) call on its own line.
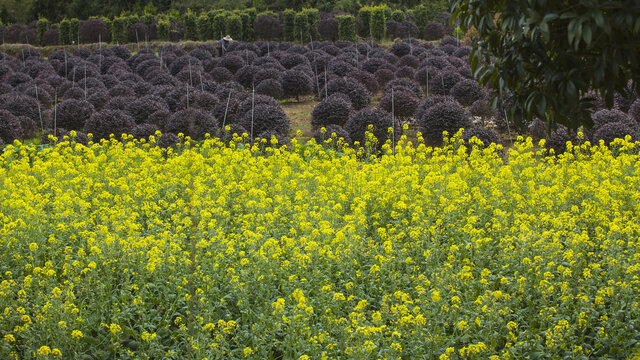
point(126, 250)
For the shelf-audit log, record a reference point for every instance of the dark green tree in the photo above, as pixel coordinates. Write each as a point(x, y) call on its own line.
point(378, 22)
point(64, 32)
point(301, 27)
point(220, 25)
point(234, 26)
point(364, 14)
point(41, 27)
point(548, 54)
point(288, 30)
point(346, 27)
point(205, 30)
point(53, 10)
point(190, 27)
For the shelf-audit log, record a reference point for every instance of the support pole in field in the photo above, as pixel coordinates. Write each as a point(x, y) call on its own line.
point(55, 115)
point(393, 122)
point(39, 109)
point(226, 109)
point(253, 99)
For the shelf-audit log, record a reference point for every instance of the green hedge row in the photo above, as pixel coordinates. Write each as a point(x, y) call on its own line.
point(301, 26)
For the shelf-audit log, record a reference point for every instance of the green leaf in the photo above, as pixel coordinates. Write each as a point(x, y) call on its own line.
point(586, 35)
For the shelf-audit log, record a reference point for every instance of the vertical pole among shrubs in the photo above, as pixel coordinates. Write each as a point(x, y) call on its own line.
point(393, 122)
point(226, 110)
point(253, 102)
point(85, 81)
point(55, 114)
point(39, 109)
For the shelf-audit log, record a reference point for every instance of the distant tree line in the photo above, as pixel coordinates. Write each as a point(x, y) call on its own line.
point(25, 11)
point(302, 26)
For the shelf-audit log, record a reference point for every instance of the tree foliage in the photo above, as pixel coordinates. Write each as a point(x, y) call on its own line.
point(551, 53)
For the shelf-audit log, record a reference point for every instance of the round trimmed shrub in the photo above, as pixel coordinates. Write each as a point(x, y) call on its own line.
point(340, 68)
point(201, 100)
point(221, 74)
point(409, 84)
point(227, 110)
point(634, 111)
point(331, 129)
point(107, 122)
point(372, 65)
point(328, 29)
point(17, 78)
point(449, 41)
point(21, 105)
point(245, 75)
point(400, 49)
point(184, 62)
point(72, 114)
point(160, 118)
point(357, 93)
point(448, 49)
point(482, 108)
point(444, 116)
point(201, 54)
point(426, 74)
point(463, 52)
point(168, 139)
point(141, 108)
point(94, 30)
point(607, 116)
point(333, 110)
point(236, 90)
point(381, 120)
point(160, 78)
point(121, 51)
point(466, 92)
point(557, 139)
point(270, 87)
point(229, 130)
point(143, 131)
point(295, 83)
point(537, 129)
point(267, 27)
point(28, 126)
point(439, 62)
point(264, 74)
point(98, 98)
point(409, 60)
point(138, 33)
point(266, 118)
point(614, 130)
point(291, 60)
point(433, 31)
point(403, 102)
point(487, 136)
point(50, 37)
point(444, 82)
point(623, 102)
point(10, 128)
point(121, 90)
point(405, 72)
point(383, 76)
point(232, 63)
point(192, 122)
point(245, 106)
point(367, 79)
point(118, 103)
